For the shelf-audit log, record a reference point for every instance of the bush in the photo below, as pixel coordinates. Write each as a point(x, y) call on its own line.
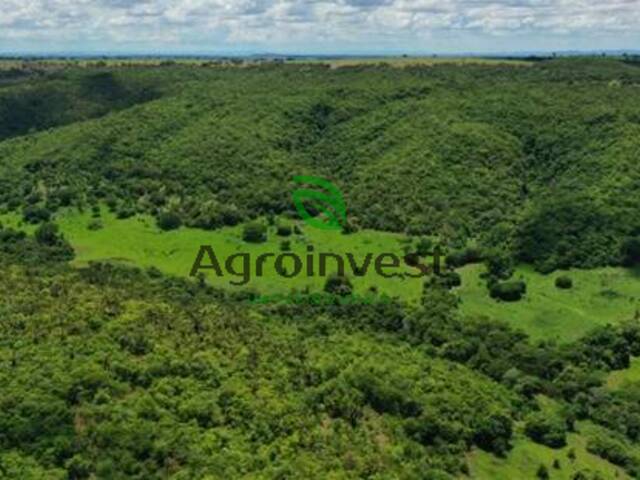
point(338, 285)
point(254, 232)
point(284, 231)
point(508, 291)
point(464, 257)
point(169, 221)
point(564, 283)
point(36, 214)
point(493, 433)
point(546, 430)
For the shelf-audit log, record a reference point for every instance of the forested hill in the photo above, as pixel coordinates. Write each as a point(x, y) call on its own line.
point(110, 372)
point(537, 160)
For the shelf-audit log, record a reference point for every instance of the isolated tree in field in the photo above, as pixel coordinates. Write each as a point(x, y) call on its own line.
point(564, 283)
point(254, 232)
point(169, 221)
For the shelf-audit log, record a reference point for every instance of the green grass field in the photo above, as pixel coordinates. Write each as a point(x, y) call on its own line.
point(599, 296)
point(139, 241)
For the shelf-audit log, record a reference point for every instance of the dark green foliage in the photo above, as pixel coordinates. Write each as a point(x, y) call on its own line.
point(169, 221)
point(543, 473)
point(284, 231)
point(254, 233)
point(464, 257)
point(499, 264)
point(48, 234)
point(546, 430)
point(511, 291)
point(631, 251)
point(570, 230)
point(33, 214)
point(564, 283)
point(338, 285)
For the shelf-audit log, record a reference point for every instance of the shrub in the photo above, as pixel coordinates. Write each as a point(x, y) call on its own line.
point(508, 291)
point(564, 283)
point(546, 430)
point(169, 221)
point(493, 433)
point(284, 231)
point(254, 232)
point(34, 214)
point(464, 257)
point(338, 285)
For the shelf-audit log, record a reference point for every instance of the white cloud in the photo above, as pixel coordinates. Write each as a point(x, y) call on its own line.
point(307, 24)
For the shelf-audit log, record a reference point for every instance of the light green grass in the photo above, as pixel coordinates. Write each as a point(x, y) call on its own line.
point(138, 241)
point(599, 296)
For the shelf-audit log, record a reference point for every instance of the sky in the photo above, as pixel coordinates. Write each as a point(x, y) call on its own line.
point(317, 26)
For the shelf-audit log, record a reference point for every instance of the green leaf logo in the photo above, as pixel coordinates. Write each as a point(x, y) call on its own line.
point(328, 202)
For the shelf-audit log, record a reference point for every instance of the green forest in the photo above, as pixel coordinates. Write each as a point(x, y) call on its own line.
point(518, 359)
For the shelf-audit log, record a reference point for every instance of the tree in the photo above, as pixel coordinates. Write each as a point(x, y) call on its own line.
point(564, 283)
point(284, 231)
point(508, 291)
point(169, 221)
point(254, 232)
point(33, 214)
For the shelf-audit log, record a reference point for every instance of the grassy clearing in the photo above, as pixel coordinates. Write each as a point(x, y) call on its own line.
point(599, 296)
point(138, 241)
point(526, 457)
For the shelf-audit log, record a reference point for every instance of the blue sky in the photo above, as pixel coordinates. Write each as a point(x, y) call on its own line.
point(317, 26)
